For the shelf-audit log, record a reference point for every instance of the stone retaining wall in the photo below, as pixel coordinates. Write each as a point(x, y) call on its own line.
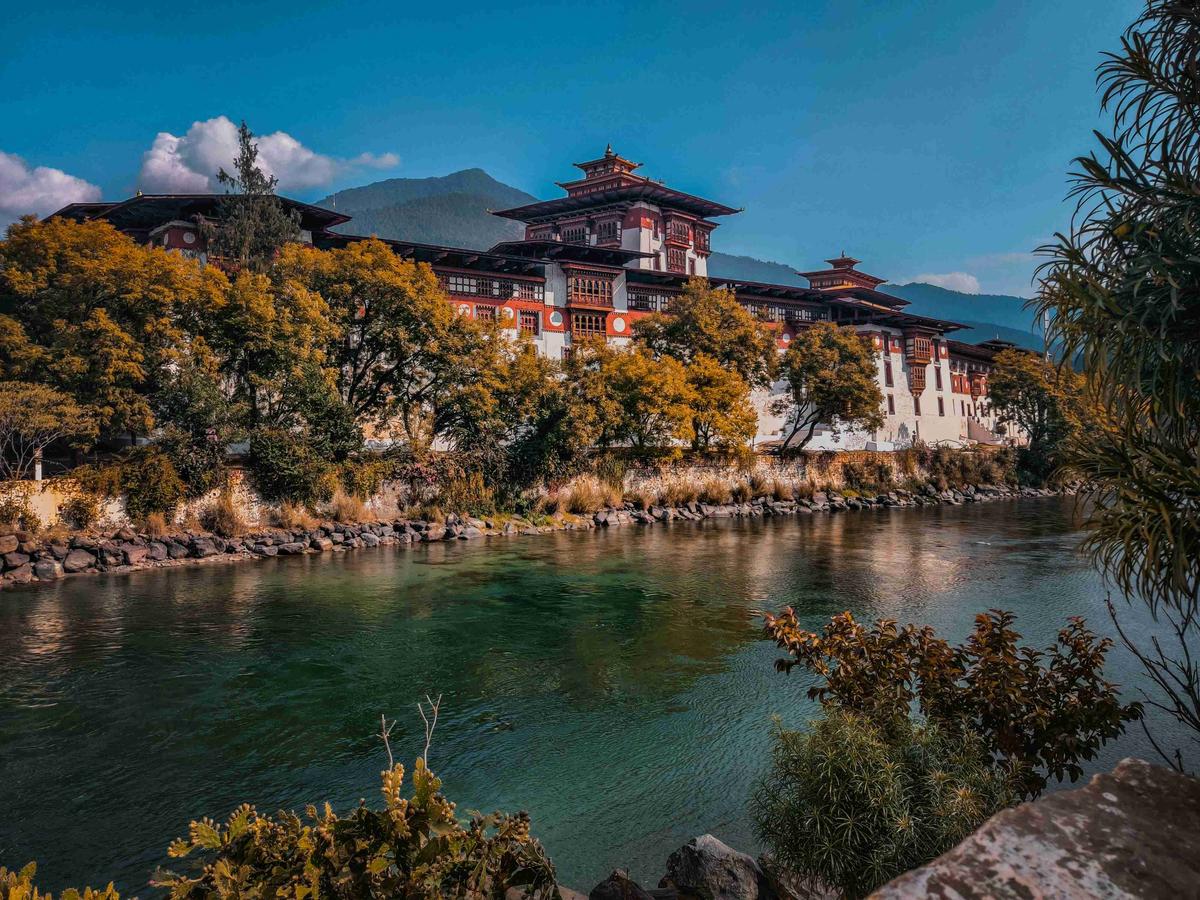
point(25, 558)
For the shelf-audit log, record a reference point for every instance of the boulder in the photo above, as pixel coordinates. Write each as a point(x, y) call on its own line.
point(1134, 832)
point(203, 547)
point(468, 532)
point(59, 551)
point(788, 885)
point(433, 533)
point(78, 560)
point(369, 539)
point(20, 575)
point(14, 559)
point(321, 543)
point(619, 886)
point(48, 570)
point(291, 548)
point(706, 869)
point(134, 554)
point(8, 543)
point(158, 550)
point(176, 550)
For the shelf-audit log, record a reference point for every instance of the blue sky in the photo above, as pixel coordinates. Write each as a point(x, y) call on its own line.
point(923, 137)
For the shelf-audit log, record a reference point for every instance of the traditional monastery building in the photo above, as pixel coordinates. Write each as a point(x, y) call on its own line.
point(620, 246)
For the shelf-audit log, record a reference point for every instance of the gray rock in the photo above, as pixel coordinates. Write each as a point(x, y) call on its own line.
point(470, 531)
point(321, 543)
point(619, 886)
point(20, 575)
point(788, 885)
point(14, 559)
point(433, 533)
point(370, 539)
point(134, 553)
point(78, 560)
point(1134, 832)
point(176, 550)
point(59, 551)
point(158, 550)
point(8, 543)
point(48, 570)
point(291, 548)
point(204, 547)
point(707, 869)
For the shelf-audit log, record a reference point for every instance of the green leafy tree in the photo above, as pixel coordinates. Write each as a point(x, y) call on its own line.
point(1041, 398)
point(251, 225)
point(851, 805)
point(709, 321)
point(830, 378)
point(1122, 291)
point(32, 417)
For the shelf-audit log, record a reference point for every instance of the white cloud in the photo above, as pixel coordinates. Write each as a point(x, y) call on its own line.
point(954, 281)
point(39, 190)
point(189, 163)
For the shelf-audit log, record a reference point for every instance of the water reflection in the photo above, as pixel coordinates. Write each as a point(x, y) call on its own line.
point(610, 682)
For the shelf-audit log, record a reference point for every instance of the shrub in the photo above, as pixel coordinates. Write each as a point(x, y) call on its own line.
point(17, 512)
point(285, 467)
point(852, 805)
point(741, 492)
point(468, 494)
point(364, 477)
point(80, 511)
point(222, 517)
point(715, 491)
point(200, 464)
point(804, 490)
point(20, 886)
point(1038, 712)
point(151, 484)
point(643, 498)
point(854, 474)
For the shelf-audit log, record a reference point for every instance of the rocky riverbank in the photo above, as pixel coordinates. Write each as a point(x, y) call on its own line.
point(27, 558)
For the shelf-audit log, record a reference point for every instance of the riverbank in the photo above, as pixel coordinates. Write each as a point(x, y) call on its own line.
point(26, 558)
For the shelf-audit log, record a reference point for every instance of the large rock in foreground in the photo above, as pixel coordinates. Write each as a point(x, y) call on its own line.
point(1132, 833)
point(706, 869)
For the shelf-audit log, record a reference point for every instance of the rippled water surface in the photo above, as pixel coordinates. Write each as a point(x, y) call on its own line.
point(610, 682)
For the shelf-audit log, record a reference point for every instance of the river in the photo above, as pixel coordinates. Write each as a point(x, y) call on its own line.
point(611, 682)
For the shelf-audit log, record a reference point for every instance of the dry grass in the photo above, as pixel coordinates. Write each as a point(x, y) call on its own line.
point(293, 516)
point(347, 508)
point(804, 490)
point(587, 494)
point(222, 517)
point(761, 485)
point(715, 491)
point(742, 492)
point(680, 492)
point(155, 525)
point(782, 490)
point(643, 498)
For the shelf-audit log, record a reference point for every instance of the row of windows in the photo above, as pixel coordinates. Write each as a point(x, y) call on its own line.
point(677, 260)
point(591, 288)
point(889, 379)
point(965, 409)
point(586, 325)
point(500, 288)
point(792, 314)
point(646, 301)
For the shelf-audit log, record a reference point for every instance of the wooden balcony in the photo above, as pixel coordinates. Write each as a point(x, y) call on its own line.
point(916, 378)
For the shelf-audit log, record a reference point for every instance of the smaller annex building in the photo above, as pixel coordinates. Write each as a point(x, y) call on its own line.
point(620, 246)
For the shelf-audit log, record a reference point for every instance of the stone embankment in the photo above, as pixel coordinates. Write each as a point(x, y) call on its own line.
point(26, 558)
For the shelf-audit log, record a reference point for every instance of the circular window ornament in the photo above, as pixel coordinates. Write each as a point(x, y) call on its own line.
point(464, 309)
point(618, 324)
point(556, 318)
point(787, 338)
point(506, 311)
point(189, 237)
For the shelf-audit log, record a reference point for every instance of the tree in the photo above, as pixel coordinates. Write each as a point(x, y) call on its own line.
point(1042, 398)
point(1122, 291)
point(709, 321)
point(722, 414)
point(32, 417)
point(830, 378)
point(88, 311)
point(1038, 713)
point(252, 224)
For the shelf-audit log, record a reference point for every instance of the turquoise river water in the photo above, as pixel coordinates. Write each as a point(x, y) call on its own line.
point(611, 682)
